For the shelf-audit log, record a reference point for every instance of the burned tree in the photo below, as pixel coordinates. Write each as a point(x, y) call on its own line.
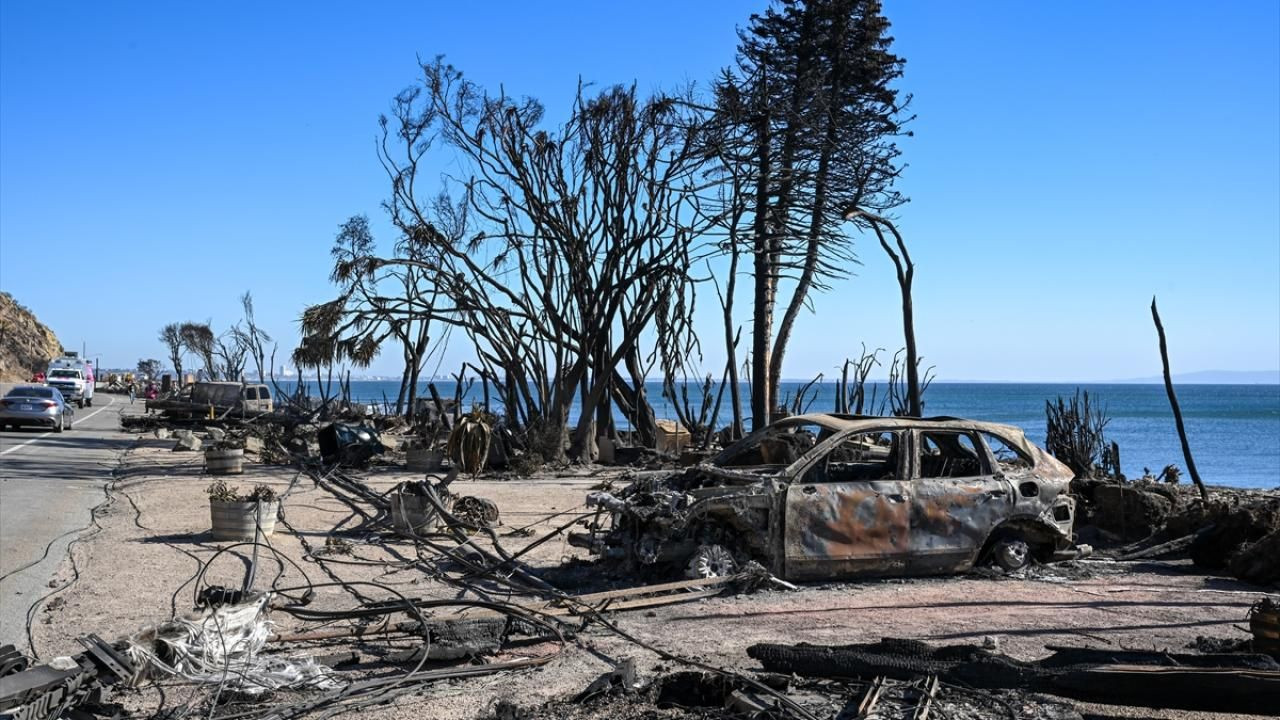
point(232, 353)
point(252, 338)
point(810, 120)
point(149, 368)
point(171, 336)
point(200, 340)
point(579, 249)
point(1075, 433)
point(1173, 403)
point(906, 272)
point(376, 305)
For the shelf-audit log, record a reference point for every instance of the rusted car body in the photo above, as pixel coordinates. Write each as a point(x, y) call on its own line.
point(825, 496)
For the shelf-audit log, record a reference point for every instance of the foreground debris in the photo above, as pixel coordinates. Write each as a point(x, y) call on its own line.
point(305, 646)
point(1243, 683)
point(711, 696)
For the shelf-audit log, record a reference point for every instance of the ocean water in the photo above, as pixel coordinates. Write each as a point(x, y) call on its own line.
point(1233, 430)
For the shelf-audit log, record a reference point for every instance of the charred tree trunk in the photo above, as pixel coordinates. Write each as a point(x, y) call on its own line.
point(765, 289)
point(637, 396)
point(1173, 402)
point(916, 406)
point(906, 271)
point(731, 338)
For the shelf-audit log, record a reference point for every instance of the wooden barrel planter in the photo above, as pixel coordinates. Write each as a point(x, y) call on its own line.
point(423, 459)
point(1264, 621)
point(224, 462)
point(240, 521)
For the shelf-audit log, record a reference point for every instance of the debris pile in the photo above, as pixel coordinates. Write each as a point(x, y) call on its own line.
point(1236, 531)
point(706, 695)
point(1143, 678)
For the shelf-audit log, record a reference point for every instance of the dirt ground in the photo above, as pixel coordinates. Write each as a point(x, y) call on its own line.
point(155, 537)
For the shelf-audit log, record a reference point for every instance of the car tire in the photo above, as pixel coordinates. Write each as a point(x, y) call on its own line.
point(62, 421)
point(80, 404)
point(710, 561)
point(1011, 554)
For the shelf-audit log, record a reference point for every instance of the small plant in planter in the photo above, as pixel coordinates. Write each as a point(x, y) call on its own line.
point(237, 516)
point(225, 457)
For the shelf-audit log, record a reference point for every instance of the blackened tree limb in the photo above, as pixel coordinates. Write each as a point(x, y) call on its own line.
point(1173, 402)
point(906, 271)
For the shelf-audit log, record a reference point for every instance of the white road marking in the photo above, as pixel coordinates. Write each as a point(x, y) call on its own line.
point(19, 446)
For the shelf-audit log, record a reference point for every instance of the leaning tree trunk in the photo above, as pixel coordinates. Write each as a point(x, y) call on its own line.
point(906, 271)
point(1173, 402)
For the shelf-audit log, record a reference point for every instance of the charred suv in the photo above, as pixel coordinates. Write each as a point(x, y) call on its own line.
point(825, 496)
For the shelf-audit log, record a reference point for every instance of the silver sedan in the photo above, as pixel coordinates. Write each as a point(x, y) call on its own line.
point(38, 405)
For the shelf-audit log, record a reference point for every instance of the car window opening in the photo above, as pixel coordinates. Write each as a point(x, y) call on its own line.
point(860, 457)
point(948, 455)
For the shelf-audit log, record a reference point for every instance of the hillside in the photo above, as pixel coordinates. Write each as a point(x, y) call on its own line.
point(26, 344)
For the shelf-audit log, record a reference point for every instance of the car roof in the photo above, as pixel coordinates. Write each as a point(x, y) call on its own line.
point(838, 422)
point(18, 390)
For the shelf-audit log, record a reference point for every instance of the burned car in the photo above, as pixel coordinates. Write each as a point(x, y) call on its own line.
point(824, 496)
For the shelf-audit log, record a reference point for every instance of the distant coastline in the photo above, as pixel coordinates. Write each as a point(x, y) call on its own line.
point(1201, 377)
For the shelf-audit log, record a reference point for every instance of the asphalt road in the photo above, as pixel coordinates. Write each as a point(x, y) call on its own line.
point(49, 484)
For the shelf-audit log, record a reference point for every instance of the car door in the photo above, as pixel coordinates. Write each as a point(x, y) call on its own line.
point(956, 501)
point(848, 511)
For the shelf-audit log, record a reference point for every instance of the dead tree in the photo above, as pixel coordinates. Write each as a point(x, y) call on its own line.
point(171, 336)
point(200, 340)
point(580, 244)
point(1173, 402)
point(252, 337)
point(375, 305)
point(906, 271)
point(232, 352)
point(851, 396)
point(1075, 433)
point(149, 368)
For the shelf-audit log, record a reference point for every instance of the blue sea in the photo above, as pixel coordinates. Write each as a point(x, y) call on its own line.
point(1234, 430)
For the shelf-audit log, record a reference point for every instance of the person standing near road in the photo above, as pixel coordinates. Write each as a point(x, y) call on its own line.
point(133, 392)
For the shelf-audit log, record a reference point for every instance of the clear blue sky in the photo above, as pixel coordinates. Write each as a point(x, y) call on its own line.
point(1070, 161)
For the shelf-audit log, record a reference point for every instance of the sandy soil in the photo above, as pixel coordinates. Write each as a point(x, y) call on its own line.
point(140, 570)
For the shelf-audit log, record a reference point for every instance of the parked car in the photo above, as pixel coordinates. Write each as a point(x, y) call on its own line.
point(826, 496)
point(38, 405)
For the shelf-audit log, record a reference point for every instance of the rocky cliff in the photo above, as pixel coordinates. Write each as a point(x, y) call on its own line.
point(26, 344)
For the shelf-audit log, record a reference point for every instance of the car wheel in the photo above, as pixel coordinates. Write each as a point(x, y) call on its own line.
point(80, 403)
point(62, 421)
point(1011, 554)
point(710, 561)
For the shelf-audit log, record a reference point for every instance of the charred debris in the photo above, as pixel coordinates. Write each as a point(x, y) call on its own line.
point(238, 663)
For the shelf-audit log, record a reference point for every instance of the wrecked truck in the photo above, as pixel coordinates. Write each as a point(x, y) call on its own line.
point(824, 496)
